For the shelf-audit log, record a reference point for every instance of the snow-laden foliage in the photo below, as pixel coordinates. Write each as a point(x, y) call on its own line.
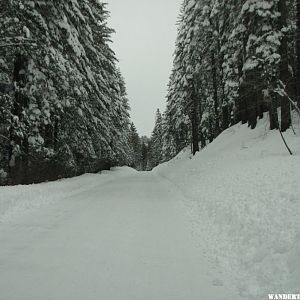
point(156, 142)
point(231, 59)
point(68, 111)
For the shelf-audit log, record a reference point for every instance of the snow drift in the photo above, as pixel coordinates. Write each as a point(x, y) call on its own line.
point(243, 196)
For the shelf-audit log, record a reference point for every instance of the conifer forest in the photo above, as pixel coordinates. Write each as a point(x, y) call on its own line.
point(129, 173)
point(64, 109)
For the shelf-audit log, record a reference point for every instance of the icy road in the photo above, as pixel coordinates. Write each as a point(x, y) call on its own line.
point(118, 236)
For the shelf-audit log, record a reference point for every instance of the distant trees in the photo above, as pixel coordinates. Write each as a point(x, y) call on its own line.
point(148, 152)
point(140, 150)
point(67, 111)
point(234, 60)
point(136, 147)
point(155, 144)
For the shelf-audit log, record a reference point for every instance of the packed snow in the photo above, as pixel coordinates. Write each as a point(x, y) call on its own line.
point(222, 225)
point(118, 235)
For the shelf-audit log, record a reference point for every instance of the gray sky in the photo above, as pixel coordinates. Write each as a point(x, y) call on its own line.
point(144, 43)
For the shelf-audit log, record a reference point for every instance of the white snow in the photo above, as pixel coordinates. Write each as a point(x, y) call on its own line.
point(222, 225)
point(21, 200)
point(120, 235)
point(242, 194)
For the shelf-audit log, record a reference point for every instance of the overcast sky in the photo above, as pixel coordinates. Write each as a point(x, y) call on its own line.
point(144, 43)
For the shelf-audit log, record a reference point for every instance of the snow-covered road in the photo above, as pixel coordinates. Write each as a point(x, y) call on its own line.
point(122, 239)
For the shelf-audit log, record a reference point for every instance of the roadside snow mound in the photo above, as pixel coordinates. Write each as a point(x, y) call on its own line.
point(243, 196)
point(16, 201)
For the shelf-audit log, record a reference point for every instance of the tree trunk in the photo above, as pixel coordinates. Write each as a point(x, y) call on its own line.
point(272, 103)
point(216, 97)
point(225, 117)
point(195, 123)
point(298, 53)
point(284, 68)
point(19, 169)
point(242, 109)
point(202, 140)
point(252, 97)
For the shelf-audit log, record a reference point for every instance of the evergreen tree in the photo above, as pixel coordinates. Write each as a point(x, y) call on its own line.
point(156, 143)
point(136, 148)
point(145, 154)
point(234, 61)
point(68, 112)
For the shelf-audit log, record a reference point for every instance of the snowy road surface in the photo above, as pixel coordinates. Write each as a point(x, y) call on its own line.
point(121, 239)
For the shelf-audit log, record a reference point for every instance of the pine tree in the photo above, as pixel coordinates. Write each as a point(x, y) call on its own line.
point(145, 154)
point(156, 142)
point(136, 147)
point(168, 144)
point(235, 59)
point(69, 111)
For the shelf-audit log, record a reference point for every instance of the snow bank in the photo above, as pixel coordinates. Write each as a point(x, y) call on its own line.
point(16, 201)
point(243, 196)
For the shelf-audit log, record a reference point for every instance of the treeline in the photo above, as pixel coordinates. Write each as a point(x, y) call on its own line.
point(63, 104)
point(234, 60)
point(140, 146)
point(147, 151)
